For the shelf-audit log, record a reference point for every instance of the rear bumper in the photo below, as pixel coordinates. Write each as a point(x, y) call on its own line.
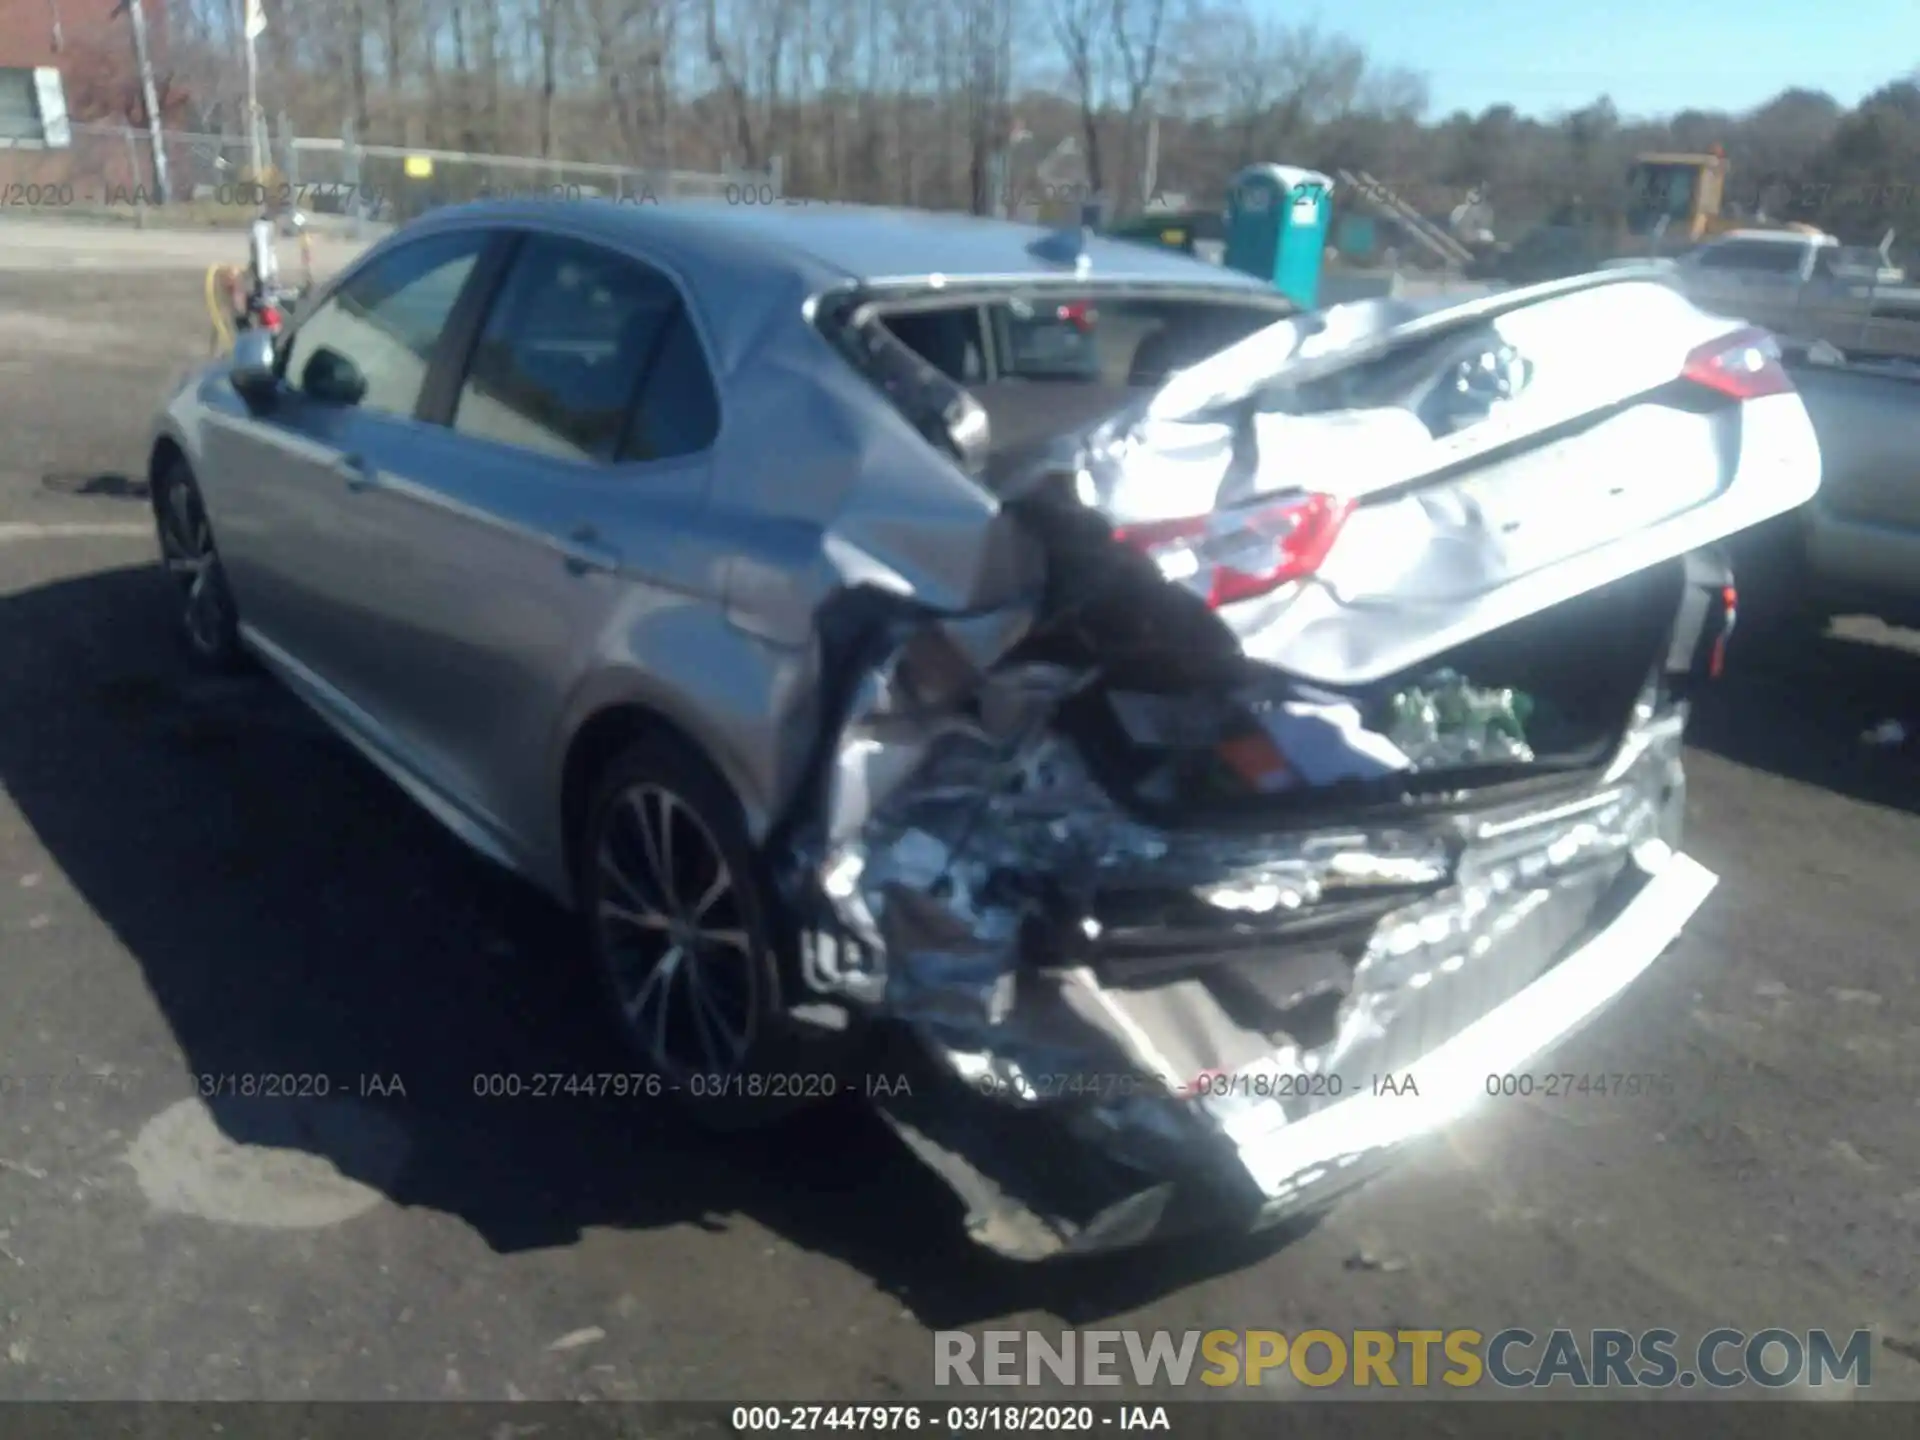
point(1266, 1169)
point(1292, 1163)
point(1098, 1113)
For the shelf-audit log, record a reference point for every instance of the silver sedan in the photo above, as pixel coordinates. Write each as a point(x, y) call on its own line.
point(1122, 714)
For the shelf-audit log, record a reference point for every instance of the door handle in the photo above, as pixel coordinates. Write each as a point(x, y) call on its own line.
point(358, 474)
point(586, 553)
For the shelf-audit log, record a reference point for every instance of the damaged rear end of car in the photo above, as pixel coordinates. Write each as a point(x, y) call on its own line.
point(1330, 763)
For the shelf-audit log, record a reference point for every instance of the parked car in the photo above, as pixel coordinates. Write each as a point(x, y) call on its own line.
point(1794, 279)
point(1759, 256)
point(1122, 761)
point(1855, 548)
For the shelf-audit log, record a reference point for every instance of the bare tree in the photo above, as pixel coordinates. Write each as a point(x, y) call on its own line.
point(547, 19)
point(355, 40)
point(1082, 30)
point(913, 101)
point(1137, 26)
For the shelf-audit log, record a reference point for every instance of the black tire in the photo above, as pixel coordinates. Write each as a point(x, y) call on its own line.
point(711, 1021)
point(207, 618)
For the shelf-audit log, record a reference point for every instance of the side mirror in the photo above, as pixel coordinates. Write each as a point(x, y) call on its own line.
point(332, 378)
point(252, 371)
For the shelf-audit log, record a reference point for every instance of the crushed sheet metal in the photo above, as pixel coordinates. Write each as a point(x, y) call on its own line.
point(934, 879)
point(1449, 1078)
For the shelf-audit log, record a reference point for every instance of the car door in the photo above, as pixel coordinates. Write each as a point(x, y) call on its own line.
point(285, 478)
point(1756, 279)
point(555, 497)
point(1864, 528)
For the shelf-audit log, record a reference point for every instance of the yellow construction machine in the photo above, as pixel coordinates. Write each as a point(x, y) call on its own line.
point(1676, 198)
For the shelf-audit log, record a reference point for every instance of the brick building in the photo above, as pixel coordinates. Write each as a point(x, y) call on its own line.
point(68, 83)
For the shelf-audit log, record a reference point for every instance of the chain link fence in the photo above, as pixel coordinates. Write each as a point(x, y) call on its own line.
point(109, 167)
point(386, 183)
point(1386, 238)
point(111, 170)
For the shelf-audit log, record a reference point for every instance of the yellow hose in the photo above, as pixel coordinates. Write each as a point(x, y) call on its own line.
point(222, 319)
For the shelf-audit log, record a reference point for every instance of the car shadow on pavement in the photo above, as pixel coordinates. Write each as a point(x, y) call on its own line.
point(107, 485)
point(295, 915)
point(1805, 712)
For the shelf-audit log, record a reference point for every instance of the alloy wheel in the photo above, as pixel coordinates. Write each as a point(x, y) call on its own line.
point(676, 938)
point(186, 547)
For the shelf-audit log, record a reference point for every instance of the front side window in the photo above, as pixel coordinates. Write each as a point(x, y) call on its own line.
point(559, 363)
point(370, 343)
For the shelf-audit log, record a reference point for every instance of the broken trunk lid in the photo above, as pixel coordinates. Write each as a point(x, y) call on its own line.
point(1628, 428)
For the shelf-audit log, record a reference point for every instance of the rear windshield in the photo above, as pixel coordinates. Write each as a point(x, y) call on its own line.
point(1085, 339)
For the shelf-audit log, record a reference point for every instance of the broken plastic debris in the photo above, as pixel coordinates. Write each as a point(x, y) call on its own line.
point(1326, 743)
point(1255, 899)
point(1184, 720)
point(1368, 1260)
point(919, 860)
point(1448, 721)
point(1887, 733)
point(1255, 758)
point(1354, 868)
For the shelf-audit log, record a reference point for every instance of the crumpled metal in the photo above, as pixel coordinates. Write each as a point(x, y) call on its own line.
point(995, 829)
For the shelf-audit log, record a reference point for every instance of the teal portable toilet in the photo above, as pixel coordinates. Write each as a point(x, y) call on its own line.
point(1277, 218)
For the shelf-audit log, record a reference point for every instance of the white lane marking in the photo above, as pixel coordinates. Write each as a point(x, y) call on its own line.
point(33, 530)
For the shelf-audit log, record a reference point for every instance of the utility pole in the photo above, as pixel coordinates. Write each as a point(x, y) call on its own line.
point(256, 22)
point(150, 96)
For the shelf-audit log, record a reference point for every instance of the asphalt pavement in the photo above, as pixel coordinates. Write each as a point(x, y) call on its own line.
point(197, 885)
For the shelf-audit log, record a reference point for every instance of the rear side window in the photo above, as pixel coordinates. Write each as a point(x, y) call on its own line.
point(559, 363)
point(678, 412)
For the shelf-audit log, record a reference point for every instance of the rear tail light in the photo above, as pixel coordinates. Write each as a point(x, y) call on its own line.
point(1744, 366)
point(1080, 315)
point(1242, 553)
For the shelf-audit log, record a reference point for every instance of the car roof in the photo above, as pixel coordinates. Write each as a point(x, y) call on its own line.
point(825, 243)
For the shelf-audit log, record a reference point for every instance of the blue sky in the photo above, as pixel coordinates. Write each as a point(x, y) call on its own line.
point(1652, 56)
